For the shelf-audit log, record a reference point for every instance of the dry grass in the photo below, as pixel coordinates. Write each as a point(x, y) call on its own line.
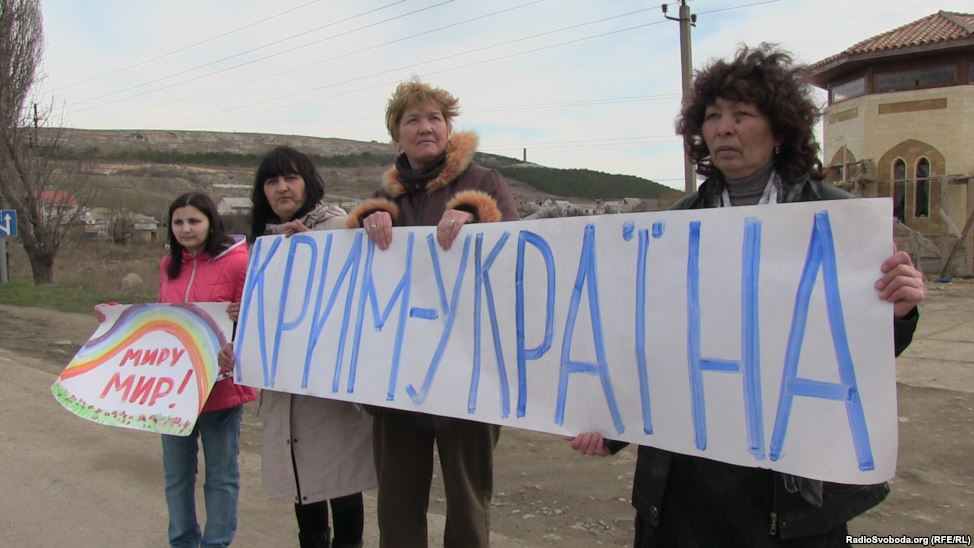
point(96, 268)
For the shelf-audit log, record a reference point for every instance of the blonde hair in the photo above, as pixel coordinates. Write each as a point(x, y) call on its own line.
point(412, 93)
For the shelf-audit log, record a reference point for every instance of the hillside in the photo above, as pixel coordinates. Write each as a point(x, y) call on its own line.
point(192, 142)
point(143, 170)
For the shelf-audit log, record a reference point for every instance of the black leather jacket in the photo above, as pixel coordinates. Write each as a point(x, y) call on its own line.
point(809, 190)
point(790, 515)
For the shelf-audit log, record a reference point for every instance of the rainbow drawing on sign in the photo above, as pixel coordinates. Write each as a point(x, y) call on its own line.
point(151, 369)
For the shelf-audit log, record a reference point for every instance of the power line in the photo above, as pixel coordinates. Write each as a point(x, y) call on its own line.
point(413, 65)
point(586, 102)
point(475, 50)
point(500, 108)
point(191, 46)
point(737, 7)
point(620, 140)
point(303, 67)
point(251, 50)
point(581, 143)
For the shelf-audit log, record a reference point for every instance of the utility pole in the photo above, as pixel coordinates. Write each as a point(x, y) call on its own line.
point(686, 20)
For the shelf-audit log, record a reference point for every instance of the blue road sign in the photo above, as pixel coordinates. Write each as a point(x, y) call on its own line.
point(8, 223)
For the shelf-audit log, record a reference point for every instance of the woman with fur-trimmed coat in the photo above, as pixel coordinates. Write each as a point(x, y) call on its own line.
point(748, 126)
point(433, 183)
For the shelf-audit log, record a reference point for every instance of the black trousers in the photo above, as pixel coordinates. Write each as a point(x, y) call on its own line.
point(348, 518)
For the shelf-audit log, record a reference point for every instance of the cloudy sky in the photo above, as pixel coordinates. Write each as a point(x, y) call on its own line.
point(579, 83)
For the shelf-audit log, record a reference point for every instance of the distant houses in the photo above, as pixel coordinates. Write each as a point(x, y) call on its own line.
point(234, 206)
point(144, 228)
point(58, 204)
point(121, 226)
point(98, 223)
point(566, 208)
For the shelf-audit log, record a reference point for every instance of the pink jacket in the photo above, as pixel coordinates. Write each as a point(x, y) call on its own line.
point(206, 279)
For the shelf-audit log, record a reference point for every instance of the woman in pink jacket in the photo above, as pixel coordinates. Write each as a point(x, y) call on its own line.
point(204, 265)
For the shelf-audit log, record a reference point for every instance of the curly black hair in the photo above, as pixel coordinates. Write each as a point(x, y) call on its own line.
point(767, 77)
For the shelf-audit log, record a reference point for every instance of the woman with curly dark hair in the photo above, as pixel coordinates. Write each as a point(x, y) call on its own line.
point(767, 97)
point(748, 127)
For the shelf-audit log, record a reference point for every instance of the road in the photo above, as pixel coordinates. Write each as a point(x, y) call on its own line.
point(68, 482)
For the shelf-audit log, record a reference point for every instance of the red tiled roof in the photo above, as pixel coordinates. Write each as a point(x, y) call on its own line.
point(58, 197)
point(943, 26)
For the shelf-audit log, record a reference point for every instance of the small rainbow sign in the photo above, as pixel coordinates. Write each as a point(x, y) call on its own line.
point(147, 366)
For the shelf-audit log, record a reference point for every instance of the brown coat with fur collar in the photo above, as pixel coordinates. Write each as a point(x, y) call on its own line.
point(461, 185)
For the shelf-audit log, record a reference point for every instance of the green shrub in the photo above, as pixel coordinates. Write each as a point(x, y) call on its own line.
point(583, 183)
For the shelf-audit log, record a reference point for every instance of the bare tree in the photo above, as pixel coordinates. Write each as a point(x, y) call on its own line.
point(32, 181)
point(121, 229)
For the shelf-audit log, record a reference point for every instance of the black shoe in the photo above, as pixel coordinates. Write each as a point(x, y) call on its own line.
point(314, 541)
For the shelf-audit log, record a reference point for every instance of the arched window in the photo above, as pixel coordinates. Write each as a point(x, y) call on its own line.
point(899, 189)
point(921, 199)
point(840, 170)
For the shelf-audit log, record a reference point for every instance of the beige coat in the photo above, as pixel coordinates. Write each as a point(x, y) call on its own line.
point(330, 440)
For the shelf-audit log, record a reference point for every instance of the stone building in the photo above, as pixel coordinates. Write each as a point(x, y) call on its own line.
point(900, 123)
point(234, 206)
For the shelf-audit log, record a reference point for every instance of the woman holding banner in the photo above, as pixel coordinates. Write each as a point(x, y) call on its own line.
point(434, 182)
point(204, 265)
point(749, 128)
point(316, 452)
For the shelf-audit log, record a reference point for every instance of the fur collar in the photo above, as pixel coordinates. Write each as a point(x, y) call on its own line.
point(459, 154)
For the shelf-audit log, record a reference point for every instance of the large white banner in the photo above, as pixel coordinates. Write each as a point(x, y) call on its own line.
point(750, 335)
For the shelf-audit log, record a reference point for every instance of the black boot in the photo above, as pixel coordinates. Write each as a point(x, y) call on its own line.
point(314, 541)
point(340, 544)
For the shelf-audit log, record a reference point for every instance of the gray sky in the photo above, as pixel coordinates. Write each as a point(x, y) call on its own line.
point(581, 84)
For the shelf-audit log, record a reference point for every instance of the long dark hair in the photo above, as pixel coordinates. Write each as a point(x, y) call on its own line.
point(216, 239)
point(767, 77)
point(283, 160)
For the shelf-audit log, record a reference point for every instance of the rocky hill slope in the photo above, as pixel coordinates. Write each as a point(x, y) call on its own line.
point(143, 170)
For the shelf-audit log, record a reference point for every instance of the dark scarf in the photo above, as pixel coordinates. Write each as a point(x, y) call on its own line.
point(415, 179)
